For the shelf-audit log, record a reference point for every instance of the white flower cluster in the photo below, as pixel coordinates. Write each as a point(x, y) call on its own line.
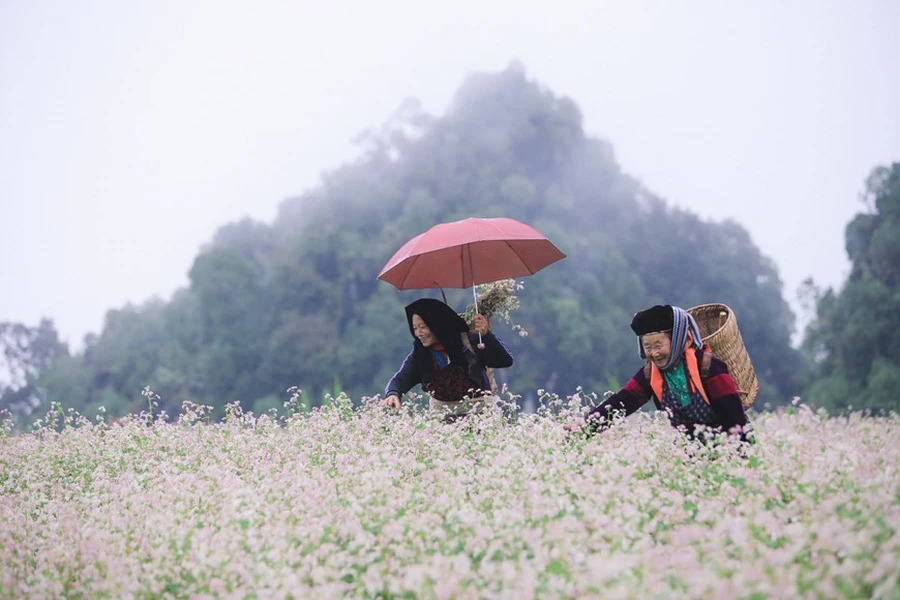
point(497, 299)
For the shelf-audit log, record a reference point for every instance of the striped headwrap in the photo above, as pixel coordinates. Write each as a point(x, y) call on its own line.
point(682, 325)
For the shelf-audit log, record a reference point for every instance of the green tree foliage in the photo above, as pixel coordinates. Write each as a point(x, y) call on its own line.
point(297, 302)
point(24, 352)
point(852, 342)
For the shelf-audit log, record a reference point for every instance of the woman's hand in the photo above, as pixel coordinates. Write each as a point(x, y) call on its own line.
point(392, 401)
point(480, 325)
point(576, 427)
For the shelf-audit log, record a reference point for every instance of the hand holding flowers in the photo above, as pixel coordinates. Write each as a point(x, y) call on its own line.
point(497, 299)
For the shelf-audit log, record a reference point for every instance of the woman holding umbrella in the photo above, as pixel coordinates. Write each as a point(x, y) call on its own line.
point(445, 360)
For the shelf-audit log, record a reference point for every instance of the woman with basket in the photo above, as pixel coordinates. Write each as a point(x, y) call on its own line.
point(682, 376)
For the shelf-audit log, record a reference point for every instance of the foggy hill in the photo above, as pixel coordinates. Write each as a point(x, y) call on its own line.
point(296, 302)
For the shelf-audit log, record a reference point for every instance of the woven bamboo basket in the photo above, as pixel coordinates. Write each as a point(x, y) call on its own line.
point(719, 329)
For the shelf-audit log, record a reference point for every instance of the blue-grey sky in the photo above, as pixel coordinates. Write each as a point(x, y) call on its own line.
point(130, 131)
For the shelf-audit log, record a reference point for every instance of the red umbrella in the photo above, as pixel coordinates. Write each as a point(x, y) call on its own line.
point(469, 252)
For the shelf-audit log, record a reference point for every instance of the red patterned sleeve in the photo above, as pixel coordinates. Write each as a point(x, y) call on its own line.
point(720, 385)
point(724, 398)
point(629, 399)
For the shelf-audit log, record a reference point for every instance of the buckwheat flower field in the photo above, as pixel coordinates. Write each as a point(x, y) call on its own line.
point(365, 503)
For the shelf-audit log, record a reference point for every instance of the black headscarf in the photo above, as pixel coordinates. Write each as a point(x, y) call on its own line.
point(446, 325)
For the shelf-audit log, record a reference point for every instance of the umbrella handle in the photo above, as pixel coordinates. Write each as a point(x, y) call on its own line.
point(474, 295)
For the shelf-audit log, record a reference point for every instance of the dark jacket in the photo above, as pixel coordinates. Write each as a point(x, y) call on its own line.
point(413, 372)
point(724, 400)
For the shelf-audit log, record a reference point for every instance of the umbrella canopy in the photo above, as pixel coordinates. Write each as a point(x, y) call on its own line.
point(469, 252)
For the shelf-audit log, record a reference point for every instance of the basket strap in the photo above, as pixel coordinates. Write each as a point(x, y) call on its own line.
point(705, 362)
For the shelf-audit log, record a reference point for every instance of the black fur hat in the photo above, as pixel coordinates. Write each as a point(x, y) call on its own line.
point(658, 318)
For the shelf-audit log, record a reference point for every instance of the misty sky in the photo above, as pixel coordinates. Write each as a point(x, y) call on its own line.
point(130, 131)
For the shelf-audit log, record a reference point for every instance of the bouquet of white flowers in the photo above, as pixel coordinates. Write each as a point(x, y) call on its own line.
point(497, 299)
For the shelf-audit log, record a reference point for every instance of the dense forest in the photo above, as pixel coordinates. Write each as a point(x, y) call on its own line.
point(296, 302)
point(853, 345)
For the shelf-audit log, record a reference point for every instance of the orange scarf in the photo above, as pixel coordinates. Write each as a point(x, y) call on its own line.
point(690, 360)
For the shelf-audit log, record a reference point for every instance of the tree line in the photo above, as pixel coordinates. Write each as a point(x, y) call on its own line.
point(296, 302)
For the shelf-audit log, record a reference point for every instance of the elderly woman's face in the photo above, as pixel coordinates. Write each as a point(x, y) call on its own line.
point(421, 331)
point(657, 347)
